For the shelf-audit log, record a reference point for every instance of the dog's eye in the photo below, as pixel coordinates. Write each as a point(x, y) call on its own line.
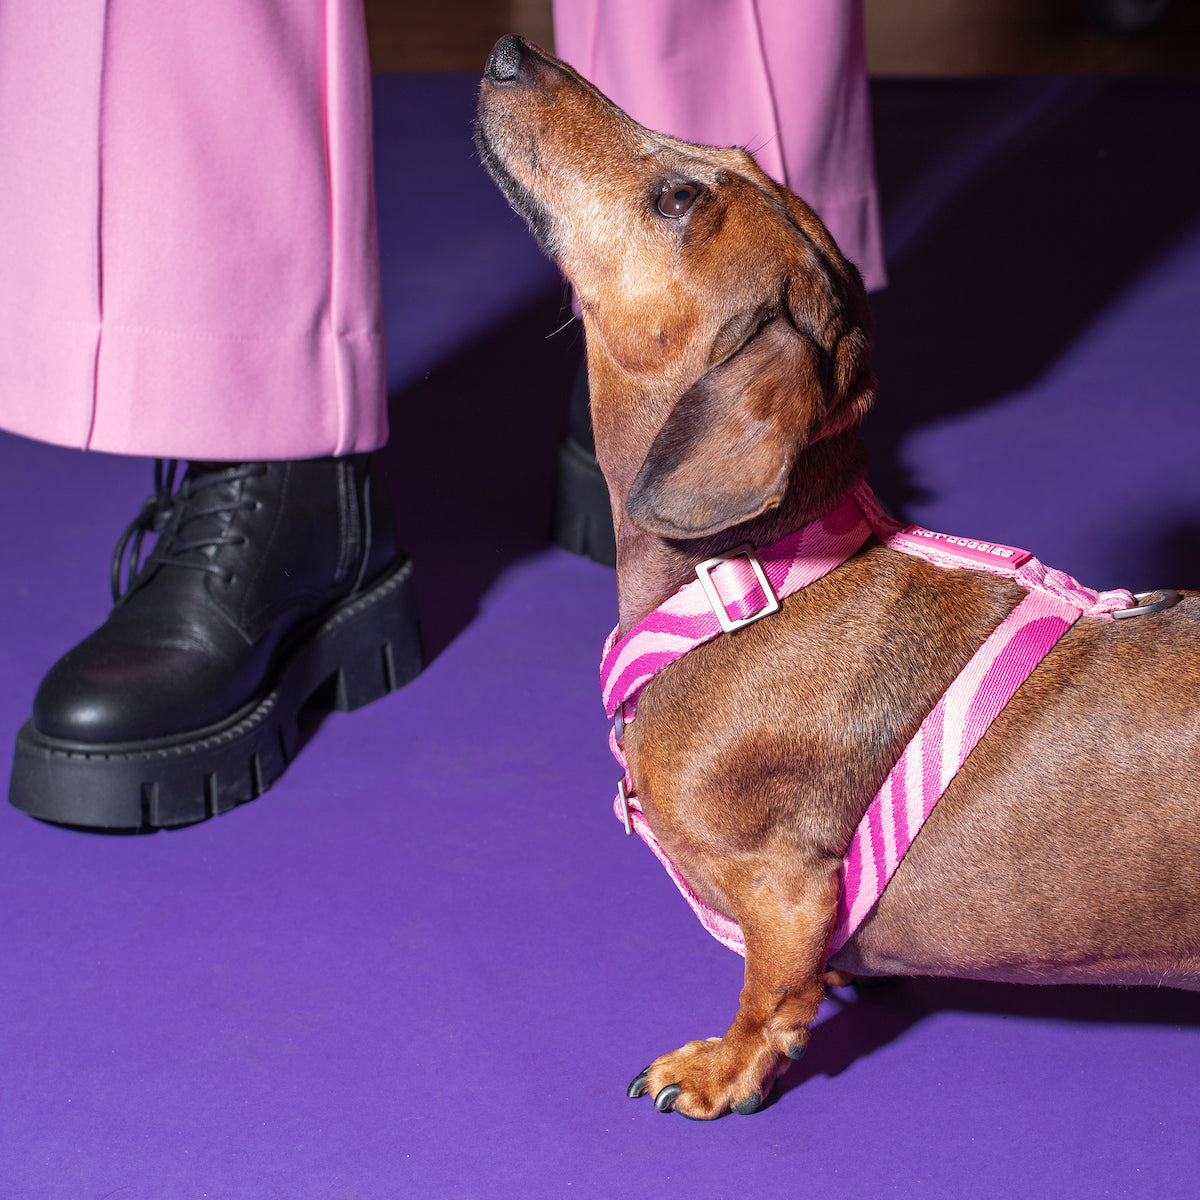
point(675, 201)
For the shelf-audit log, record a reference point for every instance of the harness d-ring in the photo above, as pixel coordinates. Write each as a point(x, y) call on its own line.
point(1150, 602)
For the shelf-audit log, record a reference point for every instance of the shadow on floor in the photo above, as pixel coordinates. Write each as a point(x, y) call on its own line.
point(470, 467)
point(1016, 212)
point(870, 1017)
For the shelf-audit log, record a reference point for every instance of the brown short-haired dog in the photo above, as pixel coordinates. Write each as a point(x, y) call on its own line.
point(728, 349)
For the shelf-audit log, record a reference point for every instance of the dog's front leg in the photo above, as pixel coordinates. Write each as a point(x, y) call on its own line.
point(786, 924)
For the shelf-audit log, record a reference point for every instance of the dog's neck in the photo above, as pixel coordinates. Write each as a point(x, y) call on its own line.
point(650, 567)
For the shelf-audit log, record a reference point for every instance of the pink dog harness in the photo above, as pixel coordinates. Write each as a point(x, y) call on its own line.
point(745, 585)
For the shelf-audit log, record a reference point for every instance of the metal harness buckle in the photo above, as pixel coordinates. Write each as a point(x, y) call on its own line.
point(704, 574)
point(1150, 602)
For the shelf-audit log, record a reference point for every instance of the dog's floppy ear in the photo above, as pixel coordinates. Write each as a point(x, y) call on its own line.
point(726, 451)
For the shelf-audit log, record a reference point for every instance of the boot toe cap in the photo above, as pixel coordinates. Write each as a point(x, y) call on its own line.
point(136, 696)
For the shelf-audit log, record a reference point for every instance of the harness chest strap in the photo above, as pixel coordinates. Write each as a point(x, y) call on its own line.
point(945, 738)
point(941, 745)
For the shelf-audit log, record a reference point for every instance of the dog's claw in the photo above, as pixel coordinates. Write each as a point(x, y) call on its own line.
point(638, 1086)
point(664, 1102)
point(751, 1104)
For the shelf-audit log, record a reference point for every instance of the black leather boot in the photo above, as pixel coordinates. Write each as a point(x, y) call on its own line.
point(582, 519)
point(270, 583)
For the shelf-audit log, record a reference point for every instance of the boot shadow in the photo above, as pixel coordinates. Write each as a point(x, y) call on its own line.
point(470, 465)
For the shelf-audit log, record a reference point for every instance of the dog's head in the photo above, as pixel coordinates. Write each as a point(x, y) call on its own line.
point(726, 333)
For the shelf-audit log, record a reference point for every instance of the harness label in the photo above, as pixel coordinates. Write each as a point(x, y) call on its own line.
point(985, 553)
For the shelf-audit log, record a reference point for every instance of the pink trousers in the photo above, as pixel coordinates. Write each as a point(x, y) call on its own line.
point(188, 252)
point(188, 257)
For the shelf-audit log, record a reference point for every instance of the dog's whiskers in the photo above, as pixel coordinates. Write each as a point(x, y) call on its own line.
point(569, 321)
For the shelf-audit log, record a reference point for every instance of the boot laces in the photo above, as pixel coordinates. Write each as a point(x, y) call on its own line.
point(168, 512)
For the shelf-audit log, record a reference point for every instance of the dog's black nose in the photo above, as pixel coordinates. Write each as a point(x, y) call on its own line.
point(504, 62)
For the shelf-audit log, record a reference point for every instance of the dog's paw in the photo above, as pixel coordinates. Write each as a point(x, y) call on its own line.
point(710, 1078)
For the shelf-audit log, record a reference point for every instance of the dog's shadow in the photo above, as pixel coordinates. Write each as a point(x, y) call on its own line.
point(1176, 551)
point(471, 468)
point(1016, 212)
point(867, 1018)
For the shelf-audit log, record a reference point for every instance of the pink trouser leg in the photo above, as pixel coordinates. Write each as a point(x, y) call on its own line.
point(784, 78)
point(187, 228)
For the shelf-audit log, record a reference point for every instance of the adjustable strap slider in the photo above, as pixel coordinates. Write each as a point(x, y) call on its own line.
point(704, 573)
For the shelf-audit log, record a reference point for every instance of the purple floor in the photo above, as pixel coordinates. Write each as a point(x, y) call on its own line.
point(427, 963)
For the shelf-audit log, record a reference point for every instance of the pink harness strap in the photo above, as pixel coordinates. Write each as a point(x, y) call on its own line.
point(941, 745)
point(688, 619)
point(1054, 601)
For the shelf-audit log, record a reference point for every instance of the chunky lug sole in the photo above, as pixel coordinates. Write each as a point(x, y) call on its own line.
point(367, 646)
point(582, 513)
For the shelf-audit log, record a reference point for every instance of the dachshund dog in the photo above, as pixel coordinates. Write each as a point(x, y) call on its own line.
point(728, 346)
